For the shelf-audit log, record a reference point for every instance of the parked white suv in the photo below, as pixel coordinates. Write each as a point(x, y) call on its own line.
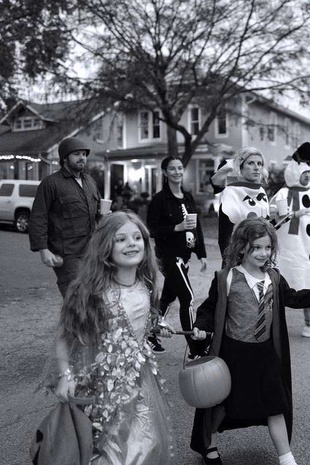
point(16, 199)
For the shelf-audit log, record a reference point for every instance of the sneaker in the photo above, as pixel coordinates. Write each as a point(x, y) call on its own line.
point(155, 345)
point(192, 357)
point(306, 331)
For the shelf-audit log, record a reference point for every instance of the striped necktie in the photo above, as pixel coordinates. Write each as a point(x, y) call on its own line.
point(261, 322)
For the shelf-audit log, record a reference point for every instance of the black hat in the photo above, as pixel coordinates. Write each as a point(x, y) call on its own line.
point(302, 154)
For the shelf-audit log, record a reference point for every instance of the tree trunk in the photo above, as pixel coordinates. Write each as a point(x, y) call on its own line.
point(172, 142)
point(188, 150)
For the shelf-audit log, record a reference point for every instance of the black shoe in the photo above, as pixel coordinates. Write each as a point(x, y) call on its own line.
point(155, 345)
point(207, 461)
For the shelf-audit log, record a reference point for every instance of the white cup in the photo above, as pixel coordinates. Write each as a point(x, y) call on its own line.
point(230, 162)
point(282, 207)
point(105, 206)
point(193, 217)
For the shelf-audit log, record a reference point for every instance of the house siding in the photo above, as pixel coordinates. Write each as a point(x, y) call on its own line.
point(139, 160)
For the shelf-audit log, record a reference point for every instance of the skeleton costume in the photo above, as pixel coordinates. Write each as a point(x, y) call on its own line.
point(174, 249)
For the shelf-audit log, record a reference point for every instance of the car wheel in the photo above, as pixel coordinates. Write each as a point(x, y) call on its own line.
point(22, 221)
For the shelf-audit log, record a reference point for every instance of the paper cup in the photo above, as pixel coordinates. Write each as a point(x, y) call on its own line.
point(282, 207)
point(230, 162)
point(192, 216)
point(105, 206)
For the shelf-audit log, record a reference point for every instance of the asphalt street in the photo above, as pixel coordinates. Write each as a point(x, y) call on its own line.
point(29, 310)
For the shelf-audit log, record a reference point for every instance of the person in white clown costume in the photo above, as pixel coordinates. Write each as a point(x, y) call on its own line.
point(294, 228)
point(242, 194)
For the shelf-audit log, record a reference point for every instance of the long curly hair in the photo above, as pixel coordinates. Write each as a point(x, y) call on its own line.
point(246, 232)
point(83, 315)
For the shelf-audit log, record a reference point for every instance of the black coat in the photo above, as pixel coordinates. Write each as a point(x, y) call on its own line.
point(164, 212)
point(211, 316)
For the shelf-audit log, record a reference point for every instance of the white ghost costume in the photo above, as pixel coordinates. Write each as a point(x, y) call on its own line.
point(294, 235)
point(240, 200)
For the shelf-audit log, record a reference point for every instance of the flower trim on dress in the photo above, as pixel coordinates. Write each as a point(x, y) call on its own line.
point(114, 377)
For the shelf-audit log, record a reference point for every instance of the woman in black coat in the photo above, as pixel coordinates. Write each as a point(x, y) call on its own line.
point(177, 235)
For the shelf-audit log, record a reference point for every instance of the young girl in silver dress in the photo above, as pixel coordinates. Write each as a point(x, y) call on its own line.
point(102, 350)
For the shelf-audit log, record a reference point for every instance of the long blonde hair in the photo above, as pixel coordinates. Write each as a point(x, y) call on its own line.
point(83, 315)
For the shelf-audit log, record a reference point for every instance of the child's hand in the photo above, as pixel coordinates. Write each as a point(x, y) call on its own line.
point(165, 333)
point(64, 387)
point(165, 329)
point(199, 334)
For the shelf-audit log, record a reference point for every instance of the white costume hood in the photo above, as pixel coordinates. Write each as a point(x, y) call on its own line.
point(292, 173)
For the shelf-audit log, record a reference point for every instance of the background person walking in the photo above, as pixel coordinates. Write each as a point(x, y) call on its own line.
point(294, 235)
point(243, 196)
point(64, 213)
point(177, 235)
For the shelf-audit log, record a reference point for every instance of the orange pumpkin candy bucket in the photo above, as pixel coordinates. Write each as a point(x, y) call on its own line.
point(204, 382)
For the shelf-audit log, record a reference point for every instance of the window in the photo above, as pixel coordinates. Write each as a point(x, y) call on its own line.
point(222, 122)
point(261, 132)
point(144, 125)
point(271, 131)
point(6, 190)
point(205, 170)
point(156, 125)
point(194, 120)
point(27, 190)
point(149, 125)
point(296, 135)
point(287, 130)
point(27, 123)
point(120, 131)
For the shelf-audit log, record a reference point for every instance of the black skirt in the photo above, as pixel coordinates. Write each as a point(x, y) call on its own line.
point(257, 389)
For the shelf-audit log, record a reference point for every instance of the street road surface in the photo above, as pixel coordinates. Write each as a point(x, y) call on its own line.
point(29, 309)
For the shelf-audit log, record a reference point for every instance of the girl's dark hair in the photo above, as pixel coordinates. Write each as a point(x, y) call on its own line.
point(246, 232)
point(167, 160)
point(83, 316)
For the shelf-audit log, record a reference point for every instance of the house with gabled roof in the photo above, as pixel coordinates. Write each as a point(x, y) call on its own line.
point(130, 145)
point(248, 120)
point(30, 133)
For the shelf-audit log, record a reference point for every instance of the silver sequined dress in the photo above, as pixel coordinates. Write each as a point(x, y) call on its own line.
point(130, 413)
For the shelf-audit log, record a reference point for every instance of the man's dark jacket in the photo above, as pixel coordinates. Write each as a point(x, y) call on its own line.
point(64, 215)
